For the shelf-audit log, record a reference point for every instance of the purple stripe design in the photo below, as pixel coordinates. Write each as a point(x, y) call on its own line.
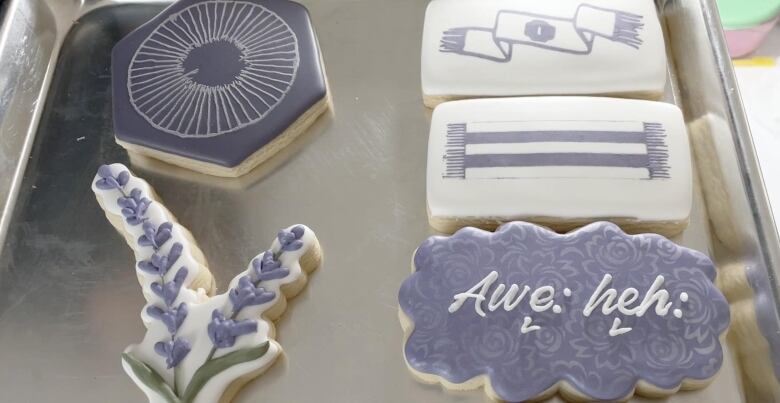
point(556, 159)
point(569, 136)
point(655, 160)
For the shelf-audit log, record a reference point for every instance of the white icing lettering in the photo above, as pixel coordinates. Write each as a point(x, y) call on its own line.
point(528, 326)
point(483, 286)
point(605, 297)
point(616, 330)
point(627, 298)
point(655, 295)
point(542, 298)
point(684, 296)
point(496, 299)
point(598, 298)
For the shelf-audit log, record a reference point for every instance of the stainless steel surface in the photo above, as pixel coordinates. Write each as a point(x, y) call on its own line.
point(69, 301)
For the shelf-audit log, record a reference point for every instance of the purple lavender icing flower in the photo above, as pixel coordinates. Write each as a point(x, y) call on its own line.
point(108, 181)
point(171, 317)
point(289, 241)
point(155, 237)
point(134, 206)
point(266, 268)
point(174, 351)
point(170, 290)
point(223, 332)
point(247, 294)
point(159, 264)
point(661, 350)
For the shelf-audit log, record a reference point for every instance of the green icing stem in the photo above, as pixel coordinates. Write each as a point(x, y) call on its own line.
point(212, 367)
point(217, 365)
point(740, 14)
point(150, 378)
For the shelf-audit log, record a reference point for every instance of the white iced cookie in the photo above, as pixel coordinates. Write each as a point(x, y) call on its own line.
point(475, 48)
point(200, 349)
point(561, 162)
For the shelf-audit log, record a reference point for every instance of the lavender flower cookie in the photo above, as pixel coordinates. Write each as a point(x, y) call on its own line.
point(197, 348)
point(152, 232)
point(594, 314)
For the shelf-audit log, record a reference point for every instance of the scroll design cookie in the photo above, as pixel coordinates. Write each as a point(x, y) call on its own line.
point(199, 348)
point(559, 34)
point(593, 314)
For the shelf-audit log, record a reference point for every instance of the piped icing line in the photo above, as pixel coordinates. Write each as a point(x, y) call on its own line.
point(596, 314)
point(161, 245)
point(544, 32)
point(197, 346)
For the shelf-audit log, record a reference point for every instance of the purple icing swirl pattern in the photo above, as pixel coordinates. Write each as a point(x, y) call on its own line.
point(568, 346)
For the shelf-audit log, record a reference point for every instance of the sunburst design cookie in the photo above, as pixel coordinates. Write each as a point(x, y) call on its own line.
point(594, 314)
point(199, 348)
point(218, 86)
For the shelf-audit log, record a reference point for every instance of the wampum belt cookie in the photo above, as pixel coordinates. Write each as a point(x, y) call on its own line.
point(594, 314)
point(561, 162)
point(199, 348)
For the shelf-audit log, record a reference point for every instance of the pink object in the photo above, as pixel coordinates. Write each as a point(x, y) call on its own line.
point(741, 42)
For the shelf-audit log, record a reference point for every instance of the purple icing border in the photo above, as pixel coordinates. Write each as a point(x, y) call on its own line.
point(662, 351)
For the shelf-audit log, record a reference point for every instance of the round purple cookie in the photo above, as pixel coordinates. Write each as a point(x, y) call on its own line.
point(594, 314)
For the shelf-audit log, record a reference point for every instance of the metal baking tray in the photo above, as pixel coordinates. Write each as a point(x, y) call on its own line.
point(69, 300)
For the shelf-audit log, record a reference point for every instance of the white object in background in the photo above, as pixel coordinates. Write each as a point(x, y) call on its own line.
point(760, 89)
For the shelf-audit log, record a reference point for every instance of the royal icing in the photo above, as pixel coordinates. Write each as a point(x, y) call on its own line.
point(504, 47)
point(215, 80)
point(195, 345)
point(528, 309)
point(151, 231)
point(558, 158)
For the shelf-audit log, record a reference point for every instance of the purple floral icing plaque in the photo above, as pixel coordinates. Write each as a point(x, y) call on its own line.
point(595, 308)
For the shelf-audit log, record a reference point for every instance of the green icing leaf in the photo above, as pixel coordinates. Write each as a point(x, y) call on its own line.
point(150, 378)
point(217, 365)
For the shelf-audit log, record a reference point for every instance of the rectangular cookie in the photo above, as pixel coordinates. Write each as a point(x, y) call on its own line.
point(483, 48)
point(561, 162)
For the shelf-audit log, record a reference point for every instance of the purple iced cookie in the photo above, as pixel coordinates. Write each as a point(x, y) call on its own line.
point(527, 310)
point(218, 85)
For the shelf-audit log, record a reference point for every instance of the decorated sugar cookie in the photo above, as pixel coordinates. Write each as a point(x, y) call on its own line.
point(476, 48)
point(561, 162)
point(199, 348)
point(594, 314)
point(151, 231)
point(218, 86)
